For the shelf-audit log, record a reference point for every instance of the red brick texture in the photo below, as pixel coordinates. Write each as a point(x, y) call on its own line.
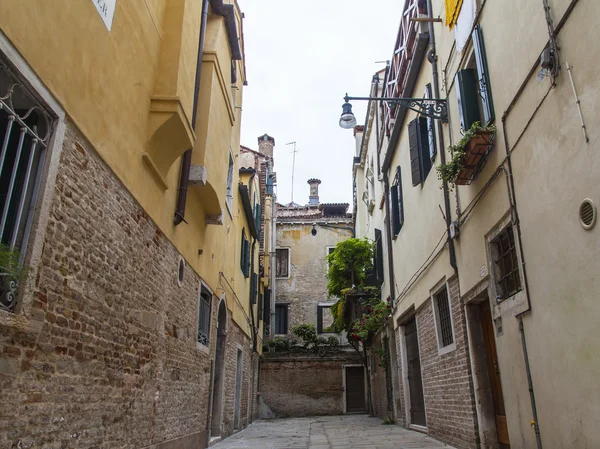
point(447, 382)
point(103, 352)
point(304, 385)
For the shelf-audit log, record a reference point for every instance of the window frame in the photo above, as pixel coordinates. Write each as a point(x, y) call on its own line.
point(435, 298)
point(289, 264)
point(204, 288)
point(497, 276)
point(229, 189)
point(397, 203)
point(281, 306)
point(37, 220)
point(320, 307)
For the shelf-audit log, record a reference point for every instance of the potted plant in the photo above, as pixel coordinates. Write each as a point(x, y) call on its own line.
point(468, 155)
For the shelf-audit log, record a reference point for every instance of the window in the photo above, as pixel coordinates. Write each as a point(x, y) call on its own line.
point(253, 288)
point(378, 256)
point(245, 255)
point(282, 262)
point(204, 308)
point(260, 307)
point(324, 319)
point(418, 142)
point(443, 318)
point(229, 194)
point(281, 319)
point(397, 203)
point(25, 131)
point(473, 90)
point(267, 306)
point(506, 266)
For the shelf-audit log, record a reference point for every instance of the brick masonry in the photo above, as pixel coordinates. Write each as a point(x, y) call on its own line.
point(294, 385)
point(447, 382)
point(103, 352)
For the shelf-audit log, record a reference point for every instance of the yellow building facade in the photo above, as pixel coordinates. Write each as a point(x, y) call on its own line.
point(137, 187)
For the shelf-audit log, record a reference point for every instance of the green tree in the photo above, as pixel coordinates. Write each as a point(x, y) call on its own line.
point(348, 266)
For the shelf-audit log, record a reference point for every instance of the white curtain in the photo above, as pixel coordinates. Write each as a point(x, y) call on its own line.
point(462, 30)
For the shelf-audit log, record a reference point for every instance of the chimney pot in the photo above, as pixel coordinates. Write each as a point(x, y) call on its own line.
point(313, 198)
point(265, 145)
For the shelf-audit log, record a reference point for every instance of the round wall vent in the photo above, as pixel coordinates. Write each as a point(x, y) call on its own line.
point(587, 214)
point(180, 271)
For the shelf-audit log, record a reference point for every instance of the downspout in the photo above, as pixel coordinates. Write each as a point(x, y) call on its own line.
point(254, 329)
point(432, 56)
point(273, 262)
point(186, 162)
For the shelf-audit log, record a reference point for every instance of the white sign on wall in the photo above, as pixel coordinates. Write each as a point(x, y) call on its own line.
point(106, 9)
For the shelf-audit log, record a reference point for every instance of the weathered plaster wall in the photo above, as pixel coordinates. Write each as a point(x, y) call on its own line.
point(307, 284)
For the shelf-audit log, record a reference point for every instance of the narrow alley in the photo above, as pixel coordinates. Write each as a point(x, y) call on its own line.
point(328, 432)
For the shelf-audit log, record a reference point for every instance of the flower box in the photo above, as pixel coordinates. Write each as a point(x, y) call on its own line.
point(475, 157)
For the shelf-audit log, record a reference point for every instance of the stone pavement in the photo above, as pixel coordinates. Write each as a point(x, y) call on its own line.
point(327, 432)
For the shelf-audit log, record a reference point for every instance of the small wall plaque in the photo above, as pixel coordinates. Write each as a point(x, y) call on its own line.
point(106, 9)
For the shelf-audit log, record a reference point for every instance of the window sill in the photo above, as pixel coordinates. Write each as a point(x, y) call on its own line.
point(202, 348)
point(447, 349)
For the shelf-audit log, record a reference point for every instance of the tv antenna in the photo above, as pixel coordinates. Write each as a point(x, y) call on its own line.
point(294, 151)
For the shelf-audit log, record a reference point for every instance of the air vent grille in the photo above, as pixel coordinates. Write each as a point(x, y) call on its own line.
point(587, 214)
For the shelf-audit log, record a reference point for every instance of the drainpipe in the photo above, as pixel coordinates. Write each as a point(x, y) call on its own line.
point(273, 262)
point(186, 162)
point(432, 56)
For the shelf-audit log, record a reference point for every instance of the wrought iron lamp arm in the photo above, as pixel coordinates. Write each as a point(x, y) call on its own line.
point(435, 108)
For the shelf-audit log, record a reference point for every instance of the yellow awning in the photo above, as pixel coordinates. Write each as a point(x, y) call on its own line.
point(452, 12)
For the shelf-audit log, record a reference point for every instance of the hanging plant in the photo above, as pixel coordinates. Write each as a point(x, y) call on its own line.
point(456, 170)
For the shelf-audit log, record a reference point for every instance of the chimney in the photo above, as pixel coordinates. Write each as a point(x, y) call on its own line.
point(313, 198)
point(265, 145)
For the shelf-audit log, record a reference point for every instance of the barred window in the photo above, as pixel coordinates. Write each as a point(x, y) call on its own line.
point(204, 315)
point(444, 319)
point(25, 131)
point(506, 266)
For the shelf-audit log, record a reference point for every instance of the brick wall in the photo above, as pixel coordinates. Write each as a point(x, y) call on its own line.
point(304, 385)
point(378, 383)
point(103, 352)
point(447, 382)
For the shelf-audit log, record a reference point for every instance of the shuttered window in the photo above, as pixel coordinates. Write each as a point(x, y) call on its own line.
point(506, 265)
point(245, 255)
point(204, 315)
point(282, 262)
point(473, 90)
point(260, 306)
point(397, 203)
point(378, 257)
point(267, 306)
point(485, 90)
point(430, 127)
point(281, 318)
point(258, 217)
point(418, 141)
point(253, 288)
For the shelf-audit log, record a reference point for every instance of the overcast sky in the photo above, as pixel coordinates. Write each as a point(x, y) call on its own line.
point(301, 59)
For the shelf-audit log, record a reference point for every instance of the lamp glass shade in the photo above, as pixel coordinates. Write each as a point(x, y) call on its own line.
point(347, 120)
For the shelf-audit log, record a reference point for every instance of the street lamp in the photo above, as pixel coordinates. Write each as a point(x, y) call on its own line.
point(435, 108)
point(347, 120)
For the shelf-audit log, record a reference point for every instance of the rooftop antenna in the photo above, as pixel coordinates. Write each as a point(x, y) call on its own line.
point(294, 151)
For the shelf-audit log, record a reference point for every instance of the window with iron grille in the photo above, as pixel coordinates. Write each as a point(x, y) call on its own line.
point(282, 262)
point(204, 314)
point(25, 131)
point(506, 266)
point(444, 319)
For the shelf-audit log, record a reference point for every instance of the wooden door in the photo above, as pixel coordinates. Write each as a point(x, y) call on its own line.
point(355, 389)
point(494, 373)
point(415, 383)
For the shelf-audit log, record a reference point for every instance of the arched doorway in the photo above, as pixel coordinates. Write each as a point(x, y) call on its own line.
point(217, 400)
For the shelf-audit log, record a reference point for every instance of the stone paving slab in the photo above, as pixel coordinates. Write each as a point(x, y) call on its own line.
point(328, 432)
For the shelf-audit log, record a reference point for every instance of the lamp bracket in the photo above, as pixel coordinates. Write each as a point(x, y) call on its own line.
point(435, 108)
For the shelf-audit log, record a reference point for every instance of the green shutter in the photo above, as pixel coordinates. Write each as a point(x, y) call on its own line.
point(485, 89)
point(257, 217)
point(415, 151)
point(247, 258)
point(394, 209)
point(466, 94)
point(243, 254)
point(379, 257)
point(423, 142)
point(400, 199)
